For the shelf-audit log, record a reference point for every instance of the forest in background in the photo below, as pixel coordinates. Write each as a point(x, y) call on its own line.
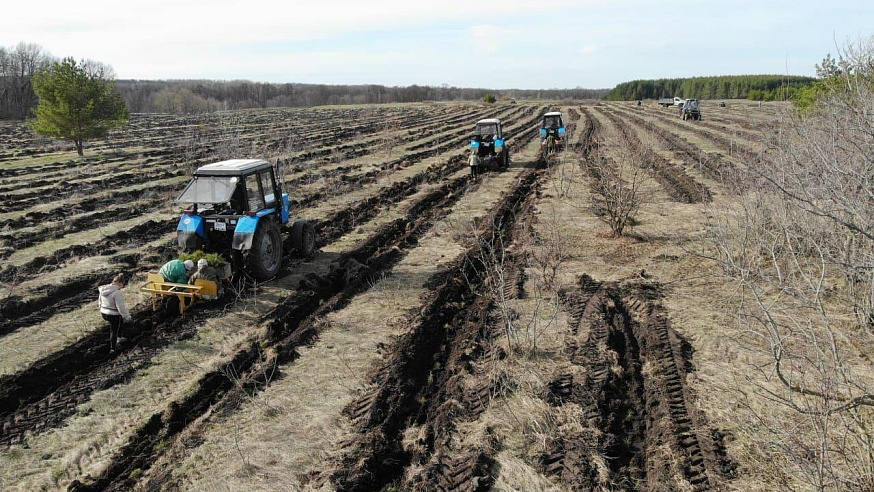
point(198, 96)
point(754, 87)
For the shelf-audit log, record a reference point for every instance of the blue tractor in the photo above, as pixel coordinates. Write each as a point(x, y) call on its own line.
point(488, 146)
point(552, 133)
point(240, 211)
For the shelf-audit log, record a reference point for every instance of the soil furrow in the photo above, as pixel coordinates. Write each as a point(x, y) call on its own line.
point(375, 458)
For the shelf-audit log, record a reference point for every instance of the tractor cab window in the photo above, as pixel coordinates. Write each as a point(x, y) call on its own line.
point(208, 190)
point(253, 193)
point(692, 103)
point(484, 129)
point(551, 122)
point(267, 187)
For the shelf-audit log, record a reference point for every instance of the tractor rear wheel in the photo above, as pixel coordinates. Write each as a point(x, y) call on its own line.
point(265, 257)
point(303, 238)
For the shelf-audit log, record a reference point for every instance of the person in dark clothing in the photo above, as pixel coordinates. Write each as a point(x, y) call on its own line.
point(206, 272)
point(113, 309)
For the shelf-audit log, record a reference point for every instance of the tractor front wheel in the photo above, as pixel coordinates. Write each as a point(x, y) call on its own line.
point(265, 257)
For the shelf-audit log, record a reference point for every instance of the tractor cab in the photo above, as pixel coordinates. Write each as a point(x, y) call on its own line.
point(237, 210)
point(690, 110)
point(552, 132)
point(488, 130)
point(488, 146)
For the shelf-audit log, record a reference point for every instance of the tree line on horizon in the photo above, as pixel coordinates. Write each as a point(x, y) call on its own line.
point(754, 87)
point(200, 96)
point(20, 63)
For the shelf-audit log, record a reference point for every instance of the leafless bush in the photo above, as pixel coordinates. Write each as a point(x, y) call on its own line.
point(616, 183)
point(801, 248)
point(552, 246)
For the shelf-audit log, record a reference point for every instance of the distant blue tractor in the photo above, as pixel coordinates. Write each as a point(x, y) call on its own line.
point(488, 146)
point(552, 133)
point(242, 213)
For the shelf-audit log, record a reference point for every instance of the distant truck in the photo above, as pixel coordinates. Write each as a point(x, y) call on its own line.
point(668, 101)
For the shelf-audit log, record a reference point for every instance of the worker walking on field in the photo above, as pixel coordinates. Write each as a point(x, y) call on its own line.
point(113, 309)
point(206, 272)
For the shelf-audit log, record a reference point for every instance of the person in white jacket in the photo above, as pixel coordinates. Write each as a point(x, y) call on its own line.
point(112, 308)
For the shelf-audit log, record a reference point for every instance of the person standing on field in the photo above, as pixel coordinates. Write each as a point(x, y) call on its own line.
point(113, 309)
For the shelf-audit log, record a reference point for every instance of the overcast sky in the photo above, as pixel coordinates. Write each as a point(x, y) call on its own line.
point(497, 44)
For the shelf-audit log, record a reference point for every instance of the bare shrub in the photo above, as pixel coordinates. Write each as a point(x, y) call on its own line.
point(800, 247)
point(616, 183)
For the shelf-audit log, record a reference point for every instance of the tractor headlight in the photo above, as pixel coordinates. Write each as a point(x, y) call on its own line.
point(474, 144)
point(561, 130)
point(543, 131)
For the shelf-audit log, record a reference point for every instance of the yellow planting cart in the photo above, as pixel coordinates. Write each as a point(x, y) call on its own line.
point(187, 294)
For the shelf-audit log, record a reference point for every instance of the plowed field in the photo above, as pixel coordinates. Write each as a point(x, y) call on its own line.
point(452, 332)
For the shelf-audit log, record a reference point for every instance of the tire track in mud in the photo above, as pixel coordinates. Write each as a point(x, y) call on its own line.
point(642, 429)
point(464, 387)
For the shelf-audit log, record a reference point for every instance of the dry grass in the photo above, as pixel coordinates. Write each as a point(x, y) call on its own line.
point(103, 424)
point(83, 237)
